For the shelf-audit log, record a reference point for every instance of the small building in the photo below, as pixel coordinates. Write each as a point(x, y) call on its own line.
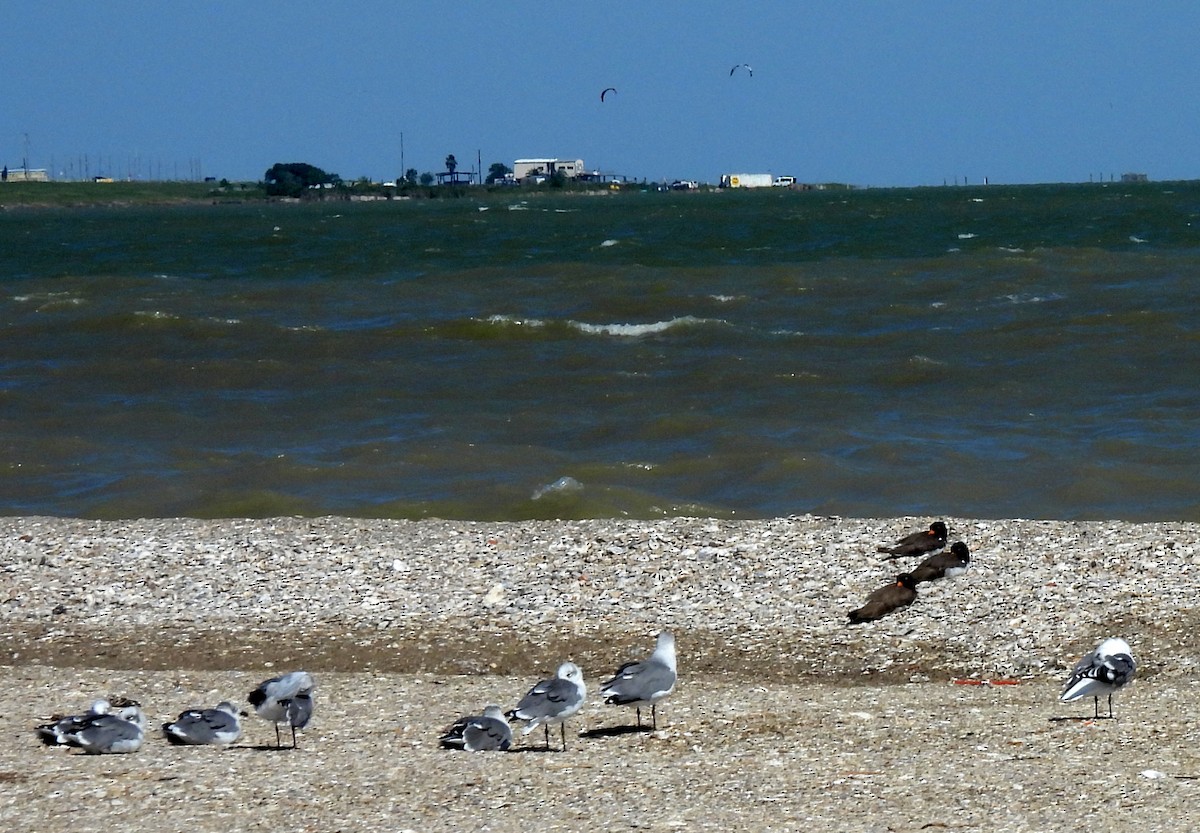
point(1134, 178)
point(25, 175)
point(525, 168)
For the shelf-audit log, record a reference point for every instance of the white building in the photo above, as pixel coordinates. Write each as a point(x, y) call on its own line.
point(569, 168)
point(25, 175)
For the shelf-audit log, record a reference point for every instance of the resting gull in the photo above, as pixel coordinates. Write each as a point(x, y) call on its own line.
point(55, 731)
point(480, 732)
point(220, 726)
point(122, 731)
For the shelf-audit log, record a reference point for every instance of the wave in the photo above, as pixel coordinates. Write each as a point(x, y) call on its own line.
point(49, 301)
point(1032, 298)
point(613, 330)
point(639, 330)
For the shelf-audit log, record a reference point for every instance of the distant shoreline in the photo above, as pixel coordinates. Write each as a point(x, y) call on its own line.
point(68, 195)
point(45, 195)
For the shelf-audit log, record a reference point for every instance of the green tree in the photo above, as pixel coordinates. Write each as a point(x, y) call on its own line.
point(427, 178)
point(498, 170)
point(292, 178)
point(451, 163)
point(411, 175)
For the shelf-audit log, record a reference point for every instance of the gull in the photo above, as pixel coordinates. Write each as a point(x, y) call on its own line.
point(645, 682)
point(883, 601)
point(115, 733)
point(55, 731)
point(198, 727)
point(480, 732)
point(287, 700)
point(950, 564)
point(552, 701)
point(1103, 671)
point(918, 543)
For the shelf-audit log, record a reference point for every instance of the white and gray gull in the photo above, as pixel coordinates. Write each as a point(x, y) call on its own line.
point(54, 732)
point(480, 732)
point(122, 731)
point(552, 701)
point(206, 727)
point(645, 682)
point(287, 700)
point(1103, 671)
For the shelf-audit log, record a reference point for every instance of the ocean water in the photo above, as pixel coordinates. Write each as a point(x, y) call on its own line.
point(988, 352)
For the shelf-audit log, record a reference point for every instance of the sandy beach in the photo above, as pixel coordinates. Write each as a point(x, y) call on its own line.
point(942, 715)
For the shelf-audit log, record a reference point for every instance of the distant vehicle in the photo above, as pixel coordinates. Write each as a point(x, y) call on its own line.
point(784, 181)
point(747, 180)
point(684, 185)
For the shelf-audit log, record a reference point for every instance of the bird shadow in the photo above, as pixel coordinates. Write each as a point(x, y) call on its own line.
point(1077, 719)
point(526, 750)
point(269, 747)
point(616, 731)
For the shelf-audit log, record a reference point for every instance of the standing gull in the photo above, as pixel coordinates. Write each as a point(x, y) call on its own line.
point(201, 727)
point(918, 543)
point(287, 700)
point(552, 701)
point(646, 682)
point(1103, 671)
point(111, 733)
point(480, 732)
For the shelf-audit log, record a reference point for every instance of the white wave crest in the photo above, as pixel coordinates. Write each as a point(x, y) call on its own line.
point(617, 330)
point(518, 322)
point(639, 330)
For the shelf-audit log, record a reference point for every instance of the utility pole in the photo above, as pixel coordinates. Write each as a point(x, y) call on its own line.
point(403, 170)
point(25, 161)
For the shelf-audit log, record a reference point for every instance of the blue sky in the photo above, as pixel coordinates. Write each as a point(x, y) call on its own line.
point(870, 93)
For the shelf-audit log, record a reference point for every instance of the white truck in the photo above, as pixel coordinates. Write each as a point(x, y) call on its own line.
point(747, 180)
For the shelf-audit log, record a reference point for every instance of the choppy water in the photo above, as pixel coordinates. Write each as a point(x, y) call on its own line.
point(991, 352)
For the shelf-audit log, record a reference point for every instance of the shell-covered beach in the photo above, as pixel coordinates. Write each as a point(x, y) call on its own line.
point(942, 714)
